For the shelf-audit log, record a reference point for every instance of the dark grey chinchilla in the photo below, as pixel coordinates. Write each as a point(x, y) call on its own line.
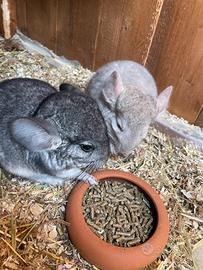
point(50, 136)
point(127, 96)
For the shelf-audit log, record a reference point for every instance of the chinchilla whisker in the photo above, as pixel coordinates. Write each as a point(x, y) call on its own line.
point(91, 167)
point(86, 169)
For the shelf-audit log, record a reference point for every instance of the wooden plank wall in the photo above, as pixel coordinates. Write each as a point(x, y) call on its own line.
point(92, 31)
point(164, 35)
point(176, 57)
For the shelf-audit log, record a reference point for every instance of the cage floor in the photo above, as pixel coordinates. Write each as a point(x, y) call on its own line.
point(33, 232)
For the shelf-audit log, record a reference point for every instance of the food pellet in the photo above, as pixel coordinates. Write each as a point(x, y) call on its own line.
point(119, 213)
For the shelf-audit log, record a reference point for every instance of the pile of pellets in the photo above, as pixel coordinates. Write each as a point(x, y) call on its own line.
point(119, 213)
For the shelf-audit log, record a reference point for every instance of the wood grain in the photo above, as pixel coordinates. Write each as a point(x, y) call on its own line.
point(180, 59)
point(125, 30)
point(93, 32)
point(8, 30)
point(13, 20)
point(21, 13)
point(77, 29)
point(159, 37)
point(1, 21)
point(39, 20)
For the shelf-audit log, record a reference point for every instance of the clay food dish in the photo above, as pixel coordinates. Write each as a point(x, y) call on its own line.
point(105, 255)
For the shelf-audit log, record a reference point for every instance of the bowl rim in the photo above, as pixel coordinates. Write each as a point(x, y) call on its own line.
point(149, 250)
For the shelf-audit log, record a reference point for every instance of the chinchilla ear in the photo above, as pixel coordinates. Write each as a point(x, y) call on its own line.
point(163, 99)
point(35, 134)
point(112, 90)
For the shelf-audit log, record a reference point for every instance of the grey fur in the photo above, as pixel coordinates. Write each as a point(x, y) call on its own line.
point(44, 132)
point(127, 96)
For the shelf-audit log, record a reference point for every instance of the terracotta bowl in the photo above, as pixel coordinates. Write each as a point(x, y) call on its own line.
point(105, 255)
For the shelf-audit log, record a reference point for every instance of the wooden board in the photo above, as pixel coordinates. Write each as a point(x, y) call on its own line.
point(8, 29)
point(38, 20)
point(93, 32)
point(77, 29)
point(13, 20)
point(22, 16)
point(1, 21)
point(125, 30)
point(97, 30)
point(176, 58)
point(159, 37)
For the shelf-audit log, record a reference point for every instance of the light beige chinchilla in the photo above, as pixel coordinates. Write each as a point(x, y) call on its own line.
point(127, 96)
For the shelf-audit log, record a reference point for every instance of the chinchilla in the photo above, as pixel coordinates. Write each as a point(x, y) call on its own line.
point(50, 136)
point(127, 96)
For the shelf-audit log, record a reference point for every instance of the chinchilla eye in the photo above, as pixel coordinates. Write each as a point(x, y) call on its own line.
point(87, 147)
